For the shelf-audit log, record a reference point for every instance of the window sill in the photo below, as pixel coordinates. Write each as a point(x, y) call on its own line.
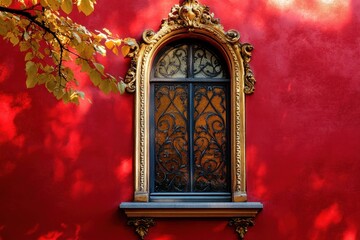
point(141, 214)
point(190, 209)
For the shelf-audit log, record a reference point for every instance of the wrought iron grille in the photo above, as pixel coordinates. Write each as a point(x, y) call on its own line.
point(189, 121)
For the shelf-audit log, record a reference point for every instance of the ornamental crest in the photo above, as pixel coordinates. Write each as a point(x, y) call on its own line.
point(190, 16)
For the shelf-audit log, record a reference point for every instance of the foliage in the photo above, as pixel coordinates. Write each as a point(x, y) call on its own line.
point(53, 42)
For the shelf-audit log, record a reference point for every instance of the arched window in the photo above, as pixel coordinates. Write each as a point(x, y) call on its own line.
point(189, 122)
point(190, 79)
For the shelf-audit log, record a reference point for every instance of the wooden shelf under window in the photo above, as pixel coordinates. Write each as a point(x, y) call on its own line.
point(141, 215)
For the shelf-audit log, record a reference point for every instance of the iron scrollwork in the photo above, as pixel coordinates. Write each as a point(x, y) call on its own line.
point(171, 140)
point(210, 140)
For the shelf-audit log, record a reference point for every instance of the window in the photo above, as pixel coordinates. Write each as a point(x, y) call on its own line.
point(189, 122)
point(190, 79)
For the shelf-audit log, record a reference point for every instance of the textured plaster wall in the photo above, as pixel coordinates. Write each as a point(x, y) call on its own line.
point(64, 169)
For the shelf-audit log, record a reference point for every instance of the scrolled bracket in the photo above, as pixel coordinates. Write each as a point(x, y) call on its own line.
point(141, 225)
point(241, 225)
point(130, 77)
point(249, 83)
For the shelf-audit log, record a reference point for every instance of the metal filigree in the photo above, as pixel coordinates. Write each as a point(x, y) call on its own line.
point(173, 63)
point(171, 139)
point(210, 139)
point(141, 225)
point(207, 64)
point(241, 225)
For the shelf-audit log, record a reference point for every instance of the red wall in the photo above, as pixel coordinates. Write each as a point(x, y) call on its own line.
point(64, 169)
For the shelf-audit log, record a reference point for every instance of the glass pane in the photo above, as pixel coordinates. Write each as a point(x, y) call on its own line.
point(171, 138)
point(173, 63)
point(207, 64)
point(210, 145)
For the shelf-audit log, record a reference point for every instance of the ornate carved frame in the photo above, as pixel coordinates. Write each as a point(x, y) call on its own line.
point(190, 20)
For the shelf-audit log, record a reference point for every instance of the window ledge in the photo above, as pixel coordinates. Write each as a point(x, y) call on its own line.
point(141, 214)
point(190, 209)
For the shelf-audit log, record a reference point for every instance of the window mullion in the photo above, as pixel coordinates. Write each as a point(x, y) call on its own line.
point(191, 137)
point(191, 119)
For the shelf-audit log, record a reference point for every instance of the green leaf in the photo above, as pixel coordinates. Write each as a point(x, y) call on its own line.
point(121, 86)
point(105, 86)
point(95, 77)
point(51, 85)
point(31, 69)
point(99, 67)
point(31, 81)
point(59, 93)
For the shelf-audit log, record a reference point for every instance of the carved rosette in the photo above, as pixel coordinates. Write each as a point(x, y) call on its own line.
point(241, 225)
point(141, 225)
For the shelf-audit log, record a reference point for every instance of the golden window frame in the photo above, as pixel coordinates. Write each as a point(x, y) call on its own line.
point(190, 20)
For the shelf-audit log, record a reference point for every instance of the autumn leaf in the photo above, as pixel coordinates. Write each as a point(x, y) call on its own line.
point(86, 6)
point(5, 3)
point(67, 6)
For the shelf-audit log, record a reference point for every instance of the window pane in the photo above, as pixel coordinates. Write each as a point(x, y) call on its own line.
point(173, 63)
point(207, 64)
point(171, 138)
point(210, 139)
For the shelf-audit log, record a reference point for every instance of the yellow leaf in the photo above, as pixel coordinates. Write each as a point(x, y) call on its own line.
point(5, 3)
point(86, 6)
point(109, 44)
point(54, 4)
point(24, 46)
point(117, 42)
point(67, 6)
point(29, 56)
point(115, 51)
point(44, 3)
point(125, 50)
point(14, 40)
point(77, 37)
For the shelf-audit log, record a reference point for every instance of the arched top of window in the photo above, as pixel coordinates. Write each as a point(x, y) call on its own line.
point(189, 59)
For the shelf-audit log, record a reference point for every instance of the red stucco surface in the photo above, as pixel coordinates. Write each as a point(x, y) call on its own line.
point(64, 169)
